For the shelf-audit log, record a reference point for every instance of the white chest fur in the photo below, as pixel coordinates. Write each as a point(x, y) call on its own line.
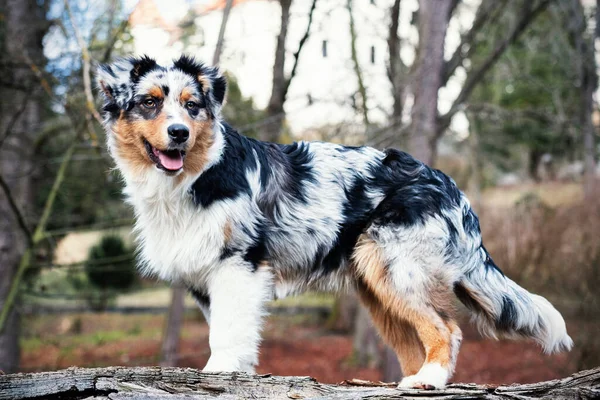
point(177, 240)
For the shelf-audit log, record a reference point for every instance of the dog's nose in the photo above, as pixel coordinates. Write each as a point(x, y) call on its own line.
point(179, 133)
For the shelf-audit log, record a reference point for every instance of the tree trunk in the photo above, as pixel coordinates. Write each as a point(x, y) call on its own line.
point(221, 39)
point(366, 340)
point(172, 331)
point(397, 71)
point(362, 90)
point(271, 131)
point(588, 87)
point(433, 24)
point(120, 383)
point(22, 27)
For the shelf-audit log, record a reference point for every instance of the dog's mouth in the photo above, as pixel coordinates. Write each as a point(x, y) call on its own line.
point(170, 160)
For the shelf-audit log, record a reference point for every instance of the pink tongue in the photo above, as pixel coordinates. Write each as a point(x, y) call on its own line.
point(171, 160)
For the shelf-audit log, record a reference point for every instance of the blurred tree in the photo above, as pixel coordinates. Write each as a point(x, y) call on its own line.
point(272, 130)
point(23, 25)
point(430, 71)
point(118, 274)
point(79, 202)
point(240, 111)
point(528, 103)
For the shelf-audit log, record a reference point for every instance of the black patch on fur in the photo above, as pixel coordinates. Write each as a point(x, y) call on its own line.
point(141, 66)
point(227, 179)
point(200, 296)
point(471, 303)
point(165, 90)
point(219, 88)
point(298, 169)
point(508, 316)
point(489, 262)
point(356, 212)
point(345, 149)
point(413, 191)
point(189, 65)
point(291, 164)
point(257, 253)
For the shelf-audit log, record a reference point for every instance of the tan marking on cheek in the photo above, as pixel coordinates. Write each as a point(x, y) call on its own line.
point(129, 137)
point(200, 141)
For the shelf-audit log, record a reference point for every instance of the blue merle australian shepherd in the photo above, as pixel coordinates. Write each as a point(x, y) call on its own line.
point(241, 222)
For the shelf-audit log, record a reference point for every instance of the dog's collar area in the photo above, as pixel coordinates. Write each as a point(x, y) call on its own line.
point(167, 160)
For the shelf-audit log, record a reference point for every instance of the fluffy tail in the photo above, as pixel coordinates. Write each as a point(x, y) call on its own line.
point(504, 309)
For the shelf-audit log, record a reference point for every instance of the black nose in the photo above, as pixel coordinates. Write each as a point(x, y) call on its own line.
point(179, 133)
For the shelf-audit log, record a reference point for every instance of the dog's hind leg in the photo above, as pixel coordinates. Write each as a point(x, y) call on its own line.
point(396, 332)
point(408, 295)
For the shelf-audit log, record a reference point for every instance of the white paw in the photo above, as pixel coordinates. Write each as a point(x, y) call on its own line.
point(225, 364)
point(221, 364)
point(429, 377)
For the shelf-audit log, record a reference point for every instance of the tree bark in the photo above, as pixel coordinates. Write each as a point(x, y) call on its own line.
point(433, 24)
point(221, 38)
point(178, 383)
point(362, 90)
point(275, 112)
point(396, 70)
point(172, 331)
point(588, 87)
point(23, 26)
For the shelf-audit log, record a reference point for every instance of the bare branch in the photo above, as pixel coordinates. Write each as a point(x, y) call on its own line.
point(87, 82)
point(111, 43)
point(396, 70)
point(9, 127)
point(221, 39)
point(38, 235)
point(15, 209)
point(476, 74)
point(361, 85)
point(487, 13)
point(303, 40)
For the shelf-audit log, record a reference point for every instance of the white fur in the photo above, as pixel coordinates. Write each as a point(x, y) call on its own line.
point(432, 374)
point(238, 296)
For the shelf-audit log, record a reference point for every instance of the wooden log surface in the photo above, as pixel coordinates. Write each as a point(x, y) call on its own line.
point(157, 383)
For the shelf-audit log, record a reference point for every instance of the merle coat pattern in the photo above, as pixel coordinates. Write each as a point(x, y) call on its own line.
point(240, 222)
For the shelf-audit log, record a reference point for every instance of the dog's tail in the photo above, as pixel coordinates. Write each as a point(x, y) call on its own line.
point(504, 309)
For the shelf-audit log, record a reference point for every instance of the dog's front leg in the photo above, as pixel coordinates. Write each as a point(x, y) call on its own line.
point(238, 293)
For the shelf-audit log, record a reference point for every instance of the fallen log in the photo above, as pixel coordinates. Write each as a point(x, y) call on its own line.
point(156, 383)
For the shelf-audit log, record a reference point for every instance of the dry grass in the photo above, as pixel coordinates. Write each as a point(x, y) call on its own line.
point(554, 250)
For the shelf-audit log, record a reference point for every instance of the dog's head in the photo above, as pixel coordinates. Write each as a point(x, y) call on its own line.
point(161, 117)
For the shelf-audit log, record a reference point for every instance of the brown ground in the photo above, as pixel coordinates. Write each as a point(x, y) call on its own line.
point(289, 348)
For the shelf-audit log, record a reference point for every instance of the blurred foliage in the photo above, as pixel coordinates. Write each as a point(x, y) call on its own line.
point(528, 103)
point(115, 275)
point(239, 111)
point(554, 252)
point(109, 270)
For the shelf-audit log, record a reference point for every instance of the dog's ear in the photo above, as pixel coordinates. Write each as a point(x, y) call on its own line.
point(116, 81)
point(212, 83)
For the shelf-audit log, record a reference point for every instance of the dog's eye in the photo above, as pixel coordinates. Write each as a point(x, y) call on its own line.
point(190, 105)
point(149, 103)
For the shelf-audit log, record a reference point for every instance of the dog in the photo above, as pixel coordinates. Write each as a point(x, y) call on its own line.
point(240, 222)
